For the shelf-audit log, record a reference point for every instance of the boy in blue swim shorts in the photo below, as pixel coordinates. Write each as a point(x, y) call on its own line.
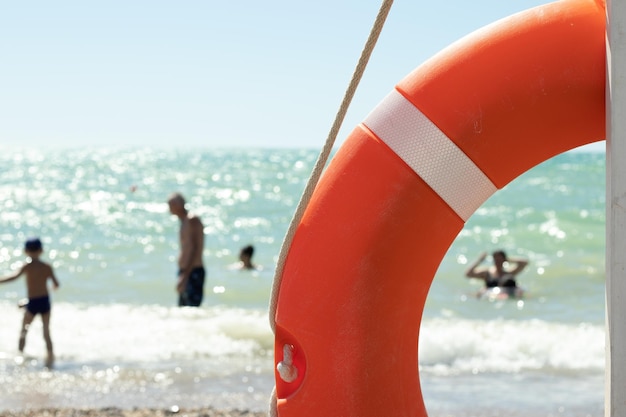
point(37, 275)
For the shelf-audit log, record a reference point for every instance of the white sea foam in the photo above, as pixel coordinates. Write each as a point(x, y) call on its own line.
point(451, 347)
point(119, 333)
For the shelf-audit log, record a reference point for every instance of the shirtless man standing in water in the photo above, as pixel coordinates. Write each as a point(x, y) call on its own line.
point(190, 284)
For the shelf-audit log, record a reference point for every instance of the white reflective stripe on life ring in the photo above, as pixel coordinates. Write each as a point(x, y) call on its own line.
point(429, 152)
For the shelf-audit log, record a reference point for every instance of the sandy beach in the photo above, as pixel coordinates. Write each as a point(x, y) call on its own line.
point(136, 412)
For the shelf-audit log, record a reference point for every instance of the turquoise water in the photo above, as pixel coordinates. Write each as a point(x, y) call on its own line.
point(120, 340)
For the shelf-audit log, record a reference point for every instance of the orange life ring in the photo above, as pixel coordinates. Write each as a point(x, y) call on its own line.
point(397, 193)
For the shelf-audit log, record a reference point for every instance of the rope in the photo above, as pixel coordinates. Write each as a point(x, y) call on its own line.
point(317, 171)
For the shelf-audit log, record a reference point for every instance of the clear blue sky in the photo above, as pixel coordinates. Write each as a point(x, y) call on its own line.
point(207, 72)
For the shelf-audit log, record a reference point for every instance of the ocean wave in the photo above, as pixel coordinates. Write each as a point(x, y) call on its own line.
point(459, 346)
point(121, 333)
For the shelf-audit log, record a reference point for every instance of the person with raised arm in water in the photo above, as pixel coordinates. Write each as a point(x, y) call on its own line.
point(502, 274)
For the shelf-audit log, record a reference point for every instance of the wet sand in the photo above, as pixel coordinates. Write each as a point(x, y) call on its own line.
point(137, 412)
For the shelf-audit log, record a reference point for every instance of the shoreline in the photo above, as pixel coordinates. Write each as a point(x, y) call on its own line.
point(133, 412)
point(213, 412)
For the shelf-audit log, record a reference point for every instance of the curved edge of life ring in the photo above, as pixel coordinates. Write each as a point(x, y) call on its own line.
point(461, 126)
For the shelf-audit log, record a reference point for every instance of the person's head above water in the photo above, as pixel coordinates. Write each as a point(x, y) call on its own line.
point(245, 256)
point(499, 257)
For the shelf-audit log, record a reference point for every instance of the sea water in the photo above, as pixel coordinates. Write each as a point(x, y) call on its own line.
point(120, 340)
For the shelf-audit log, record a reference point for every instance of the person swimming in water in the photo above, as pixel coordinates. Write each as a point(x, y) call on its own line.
point(501, 274)
point(245, 258)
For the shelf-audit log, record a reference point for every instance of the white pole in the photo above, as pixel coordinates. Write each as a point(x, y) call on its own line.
point(615, 398)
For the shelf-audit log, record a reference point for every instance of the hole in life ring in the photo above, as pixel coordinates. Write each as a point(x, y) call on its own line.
point(553, 214)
